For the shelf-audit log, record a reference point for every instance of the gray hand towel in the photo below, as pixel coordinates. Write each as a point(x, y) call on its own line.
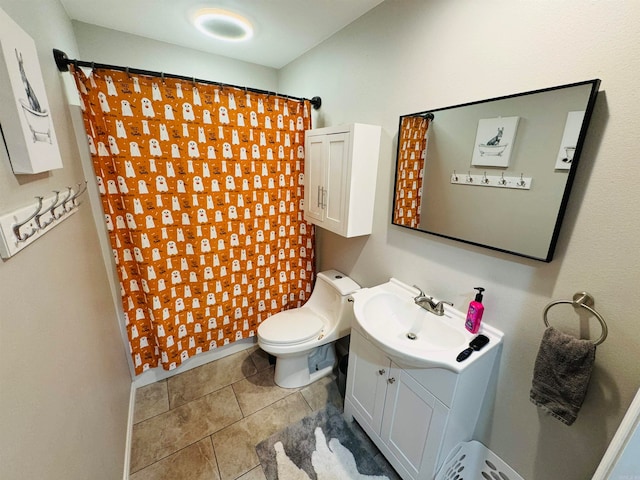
point(561, 374)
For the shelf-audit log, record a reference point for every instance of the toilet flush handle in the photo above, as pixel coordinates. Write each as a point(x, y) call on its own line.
point(350, 300)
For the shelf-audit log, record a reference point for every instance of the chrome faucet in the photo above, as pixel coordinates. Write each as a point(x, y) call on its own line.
point(429, 304)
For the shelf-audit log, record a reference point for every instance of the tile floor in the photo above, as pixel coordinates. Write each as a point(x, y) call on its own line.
point(204, 423)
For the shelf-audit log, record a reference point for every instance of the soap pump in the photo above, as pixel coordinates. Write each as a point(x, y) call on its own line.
point(474, 314)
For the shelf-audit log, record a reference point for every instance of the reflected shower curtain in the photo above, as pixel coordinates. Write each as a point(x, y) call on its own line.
point(202, 189)
point(412, 141)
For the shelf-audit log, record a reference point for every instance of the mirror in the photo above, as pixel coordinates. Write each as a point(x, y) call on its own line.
point(495, 173)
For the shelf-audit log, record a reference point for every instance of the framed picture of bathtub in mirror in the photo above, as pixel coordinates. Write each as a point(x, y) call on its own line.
point(494, 142)
point(25, 117)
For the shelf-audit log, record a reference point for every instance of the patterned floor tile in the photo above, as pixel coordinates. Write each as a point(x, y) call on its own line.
point(195, 462)
point(258, 391)
point(151, 400)
point(319, 394)
point(235, 445)
point(208, 378)
point(169, 432)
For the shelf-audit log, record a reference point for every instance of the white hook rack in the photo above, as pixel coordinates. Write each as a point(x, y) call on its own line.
point(499, 181)
point(25, 225)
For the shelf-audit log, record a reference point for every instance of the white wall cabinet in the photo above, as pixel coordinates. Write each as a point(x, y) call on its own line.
point(414, 416)
point(341, 166)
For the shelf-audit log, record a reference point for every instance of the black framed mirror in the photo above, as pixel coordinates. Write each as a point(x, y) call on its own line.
point(495, 173)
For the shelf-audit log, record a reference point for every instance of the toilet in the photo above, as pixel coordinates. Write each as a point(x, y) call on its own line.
point(302, 339)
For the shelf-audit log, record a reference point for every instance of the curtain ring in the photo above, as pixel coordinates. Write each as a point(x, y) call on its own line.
point(127, 72)
point(162, 76)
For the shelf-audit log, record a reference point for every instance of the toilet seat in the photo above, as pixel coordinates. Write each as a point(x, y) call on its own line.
point(291, 327)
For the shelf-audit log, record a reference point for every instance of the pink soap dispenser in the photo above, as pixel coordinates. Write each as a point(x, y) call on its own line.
point(474, 314)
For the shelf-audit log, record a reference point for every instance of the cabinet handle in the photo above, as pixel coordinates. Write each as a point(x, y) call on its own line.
point(324, 198)
point(391, 380)
point(319, 204)
point(381, 371)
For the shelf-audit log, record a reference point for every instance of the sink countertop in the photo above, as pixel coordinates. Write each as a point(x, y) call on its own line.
point(387, 315)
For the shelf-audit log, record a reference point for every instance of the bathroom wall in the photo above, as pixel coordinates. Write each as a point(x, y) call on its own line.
point(102, 45)
point(411, 55)
point(64, 380)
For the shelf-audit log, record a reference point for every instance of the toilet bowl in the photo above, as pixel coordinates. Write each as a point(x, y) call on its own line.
point(302, 339)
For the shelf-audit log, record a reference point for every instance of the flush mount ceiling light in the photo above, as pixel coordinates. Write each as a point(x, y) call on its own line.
point(223, 25)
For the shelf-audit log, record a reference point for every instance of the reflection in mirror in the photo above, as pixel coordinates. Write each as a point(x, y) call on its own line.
point(495, 173)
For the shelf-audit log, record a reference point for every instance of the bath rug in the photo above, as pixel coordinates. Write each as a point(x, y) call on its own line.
point(322, 446)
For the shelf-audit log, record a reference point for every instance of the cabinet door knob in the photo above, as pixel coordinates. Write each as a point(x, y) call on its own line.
point(391, 380)
point(382, 371)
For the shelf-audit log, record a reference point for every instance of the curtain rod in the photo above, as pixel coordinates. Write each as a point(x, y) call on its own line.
point(62, 61)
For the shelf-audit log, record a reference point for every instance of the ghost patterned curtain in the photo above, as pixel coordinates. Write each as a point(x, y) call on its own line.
point(201, 187)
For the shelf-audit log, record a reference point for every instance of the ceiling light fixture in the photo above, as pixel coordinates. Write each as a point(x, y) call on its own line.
point(223, 25)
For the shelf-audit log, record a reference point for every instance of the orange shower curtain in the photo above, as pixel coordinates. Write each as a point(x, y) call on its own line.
point(201, 187)
point(412, 151)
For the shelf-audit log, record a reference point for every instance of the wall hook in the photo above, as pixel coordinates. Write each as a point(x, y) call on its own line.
point(53, 207)
point(485, 180)
point(65, 201)
point(469, 178)
point(455, 176)
point(80, 192)
point(502, 180)
point(16, 228)
point(521, 183)
point(16, 234)
point(49, 210)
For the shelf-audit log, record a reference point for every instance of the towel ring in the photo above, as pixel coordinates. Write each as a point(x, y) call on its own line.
point(584, 300)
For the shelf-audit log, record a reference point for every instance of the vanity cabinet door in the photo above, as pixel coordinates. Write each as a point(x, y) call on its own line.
point(413, 424)
point(367, 381)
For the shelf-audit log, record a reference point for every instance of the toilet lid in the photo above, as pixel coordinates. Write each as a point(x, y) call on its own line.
point(291, 327)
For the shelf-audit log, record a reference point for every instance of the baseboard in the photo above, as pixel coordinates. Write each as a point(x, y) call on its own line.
point(127, 446)
point(157, 374)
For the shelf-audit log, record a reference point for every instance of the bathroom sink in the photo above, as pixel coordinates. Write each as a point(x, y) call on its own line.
point(388, 316)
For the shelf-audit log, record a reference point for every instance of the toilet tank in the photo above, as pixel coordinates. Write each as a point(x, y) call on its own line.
point(329, 299)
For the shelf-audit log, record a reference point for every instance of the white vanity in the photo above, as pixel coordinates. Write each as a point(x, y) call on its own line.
point(404, 385)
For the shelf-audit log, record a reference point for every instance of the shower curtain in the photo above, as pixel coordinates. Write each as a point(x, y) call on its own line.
point(202, 189)
point(412, 151)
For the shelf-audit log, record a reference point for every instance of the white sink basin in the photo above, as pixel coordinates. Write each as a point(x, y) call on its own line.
point(392, 318)
point(387, 315)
